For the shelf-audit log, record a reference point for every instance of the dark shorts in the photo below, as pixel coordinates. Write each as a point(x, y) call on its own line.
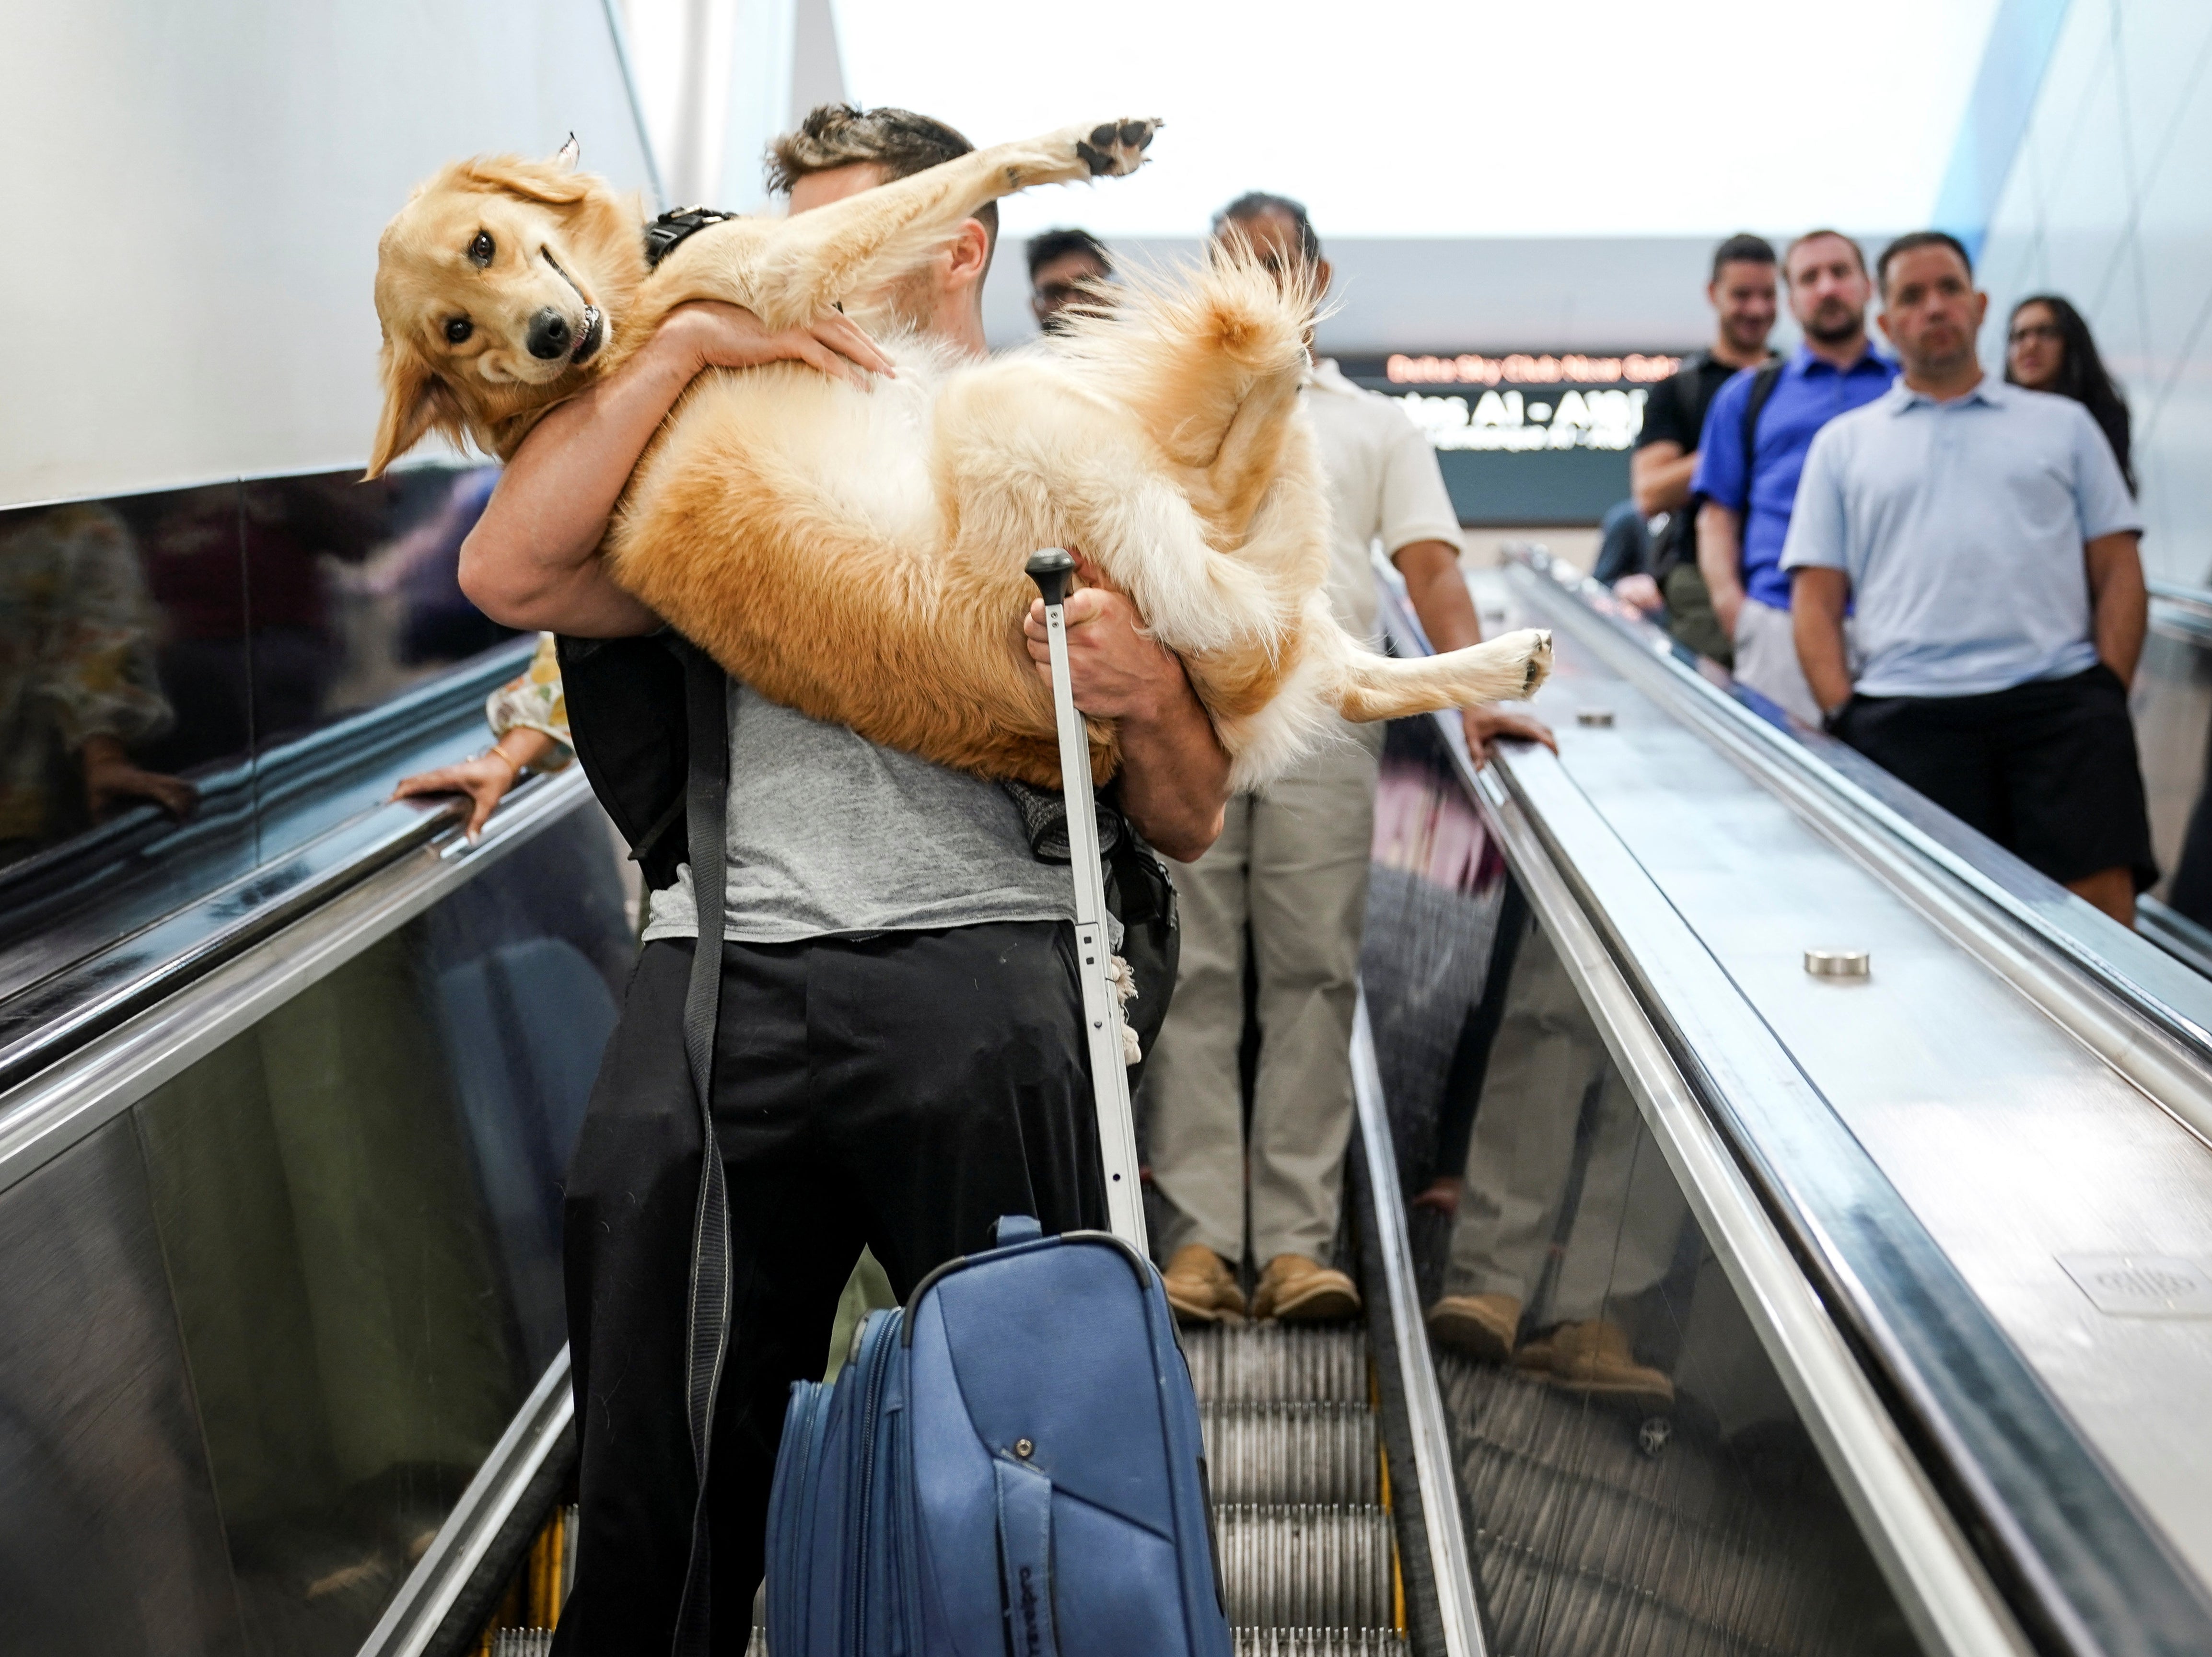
point(2046, 769)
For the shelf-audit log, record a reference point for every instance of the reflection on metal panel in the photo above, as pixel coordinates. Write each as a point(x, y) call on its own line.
point(349, 1212)
point(110, 1539)
point(1637, 1478)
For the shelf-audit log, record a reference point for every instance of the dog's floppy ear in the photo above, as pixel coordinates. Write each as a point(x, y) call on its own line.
point(415, 403)
point(568, 154)
point(534, 181)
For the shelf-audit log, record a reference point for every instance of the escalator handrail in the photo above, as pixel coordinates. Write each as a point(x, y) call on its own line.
point(348, 744)
point(2059, 1527)
point(53, 1015)
point(1449, 1562)
point(2144, 1012)
point(458, 1553)
point(93, 1078)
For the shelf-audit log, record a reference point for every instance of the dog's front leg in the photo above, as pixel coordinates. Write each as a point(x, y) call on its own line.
point(796, 268)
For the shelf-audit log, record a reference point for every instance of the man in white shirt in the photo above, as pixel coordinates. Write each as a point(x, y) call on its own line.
point(1292, 865)
point(1985, 539)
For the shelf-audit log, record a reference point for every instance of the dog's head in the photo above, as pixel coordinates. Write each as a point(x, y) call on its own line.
point(498, 286)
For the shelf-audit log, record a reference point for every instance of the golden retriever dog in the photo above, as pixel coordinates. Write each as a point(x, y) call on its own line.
point(858, 554)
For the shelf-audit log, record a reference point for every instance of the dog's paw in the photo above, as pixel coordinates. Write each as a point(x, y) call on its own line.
point(1539, 661)
point(1114, 149)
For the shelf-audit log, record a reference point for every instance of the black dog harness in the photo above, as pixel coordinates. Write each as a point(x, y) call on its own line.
point(668, 232)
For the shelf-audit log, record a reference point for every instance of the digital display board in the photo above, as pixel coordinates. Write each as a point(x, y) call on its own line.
point(1524, 437)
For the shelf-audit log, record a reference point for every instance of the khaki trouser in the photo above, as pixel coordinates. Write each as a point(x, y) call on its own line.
point(1549, 1072)
point(1293, 865)
point(1766, 660)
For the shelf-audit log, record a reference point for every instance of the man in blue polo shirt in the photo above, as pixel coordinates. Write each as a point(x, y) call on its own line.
point(1989, 543)
point(1745, 514)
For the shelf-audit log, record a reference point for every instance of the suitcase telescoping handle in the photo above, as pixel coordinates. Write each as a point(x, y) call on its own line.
point(1052, 569)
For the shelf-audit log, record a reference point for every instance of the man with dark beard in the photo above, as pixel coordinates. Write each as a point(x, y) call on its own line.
point(1752, 449)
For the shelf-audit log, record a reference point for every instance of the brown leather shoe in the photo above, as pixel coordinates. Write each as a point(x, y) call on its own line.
point(1595, 1360)
point(1300, 1290)
point(1202, 1287)
point(1480, 1327)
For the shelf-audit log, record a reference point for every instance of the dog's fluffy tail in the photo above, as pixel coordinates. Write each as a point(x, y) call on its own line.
point(1372, 687)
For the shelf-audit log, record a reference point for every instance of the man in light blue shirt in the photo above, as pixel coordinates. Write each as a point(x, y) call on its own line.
point(1988, 544)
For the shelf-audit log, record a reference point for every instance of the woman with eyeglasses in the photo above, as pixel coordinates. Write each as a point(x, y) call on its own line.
point(2048, 349)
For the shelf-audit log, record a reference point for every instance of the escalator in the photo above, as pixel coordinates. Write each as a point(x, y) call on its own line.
point(1906, 1266)
point(1840, 1313)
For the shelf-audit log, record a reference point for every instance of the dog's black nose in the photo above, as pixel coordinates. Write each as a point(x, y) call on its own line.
point(550, 335)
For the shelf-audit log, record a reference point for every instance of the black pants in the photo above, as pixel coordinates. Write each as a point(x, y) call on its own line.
point(902, 1091)
point(2047, 769)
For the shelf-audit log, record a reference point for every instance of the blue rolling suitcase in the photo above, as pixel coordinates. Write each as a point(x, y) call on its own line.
point(1011, 1464)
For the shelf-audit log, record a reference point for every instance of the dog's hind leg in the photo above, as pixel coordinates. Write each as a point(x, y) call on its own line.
point(1504, 669)
point(1029, 457)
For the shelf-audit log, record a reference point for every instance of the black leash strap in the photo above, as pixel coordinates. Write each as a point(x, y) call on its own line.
point(706, 715)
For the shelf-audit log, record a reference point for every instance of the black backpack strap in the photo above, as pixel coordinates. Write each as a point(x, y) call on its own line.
point(708, 1324)
point(1762, 387)
point(672, 229)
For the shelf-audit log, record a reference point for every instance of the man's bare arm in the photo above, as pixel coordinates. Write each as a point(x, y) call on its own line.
point(2119, 607)
point(533, 561)
point(1175, 776)
point(1817, 601)
point(1437, 588)
point(1720, 561)
point(1659, 477)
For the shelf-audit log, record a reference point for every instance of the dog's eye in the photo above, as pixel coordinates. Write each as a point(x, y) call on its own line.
point(481, 250)
point(458, 330)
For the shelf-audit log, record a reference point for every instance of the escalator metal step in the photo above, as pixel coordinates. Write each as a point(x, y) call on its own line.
point(1272, 1364)
point(1320, 1642)
point(522, 1643)
point(1306, 1567)
point(1290, 1453)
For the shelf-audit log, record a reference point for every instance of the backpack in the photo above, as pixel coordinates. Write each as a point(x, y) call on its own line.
point(627, 726)
point(1677, 542)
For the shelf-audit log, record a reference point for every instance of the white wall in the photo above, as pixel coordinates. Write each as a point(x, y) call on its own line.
point(192, 197)
point(2108, 203)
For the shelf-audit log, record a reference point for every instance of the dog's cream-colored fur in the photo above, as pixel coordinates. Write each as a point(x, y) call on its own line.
point(859, 555)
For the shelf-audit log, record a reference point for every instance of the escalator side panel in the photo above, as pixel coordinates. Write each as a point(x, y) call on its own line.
point(111, 1539)
point(352, 1211)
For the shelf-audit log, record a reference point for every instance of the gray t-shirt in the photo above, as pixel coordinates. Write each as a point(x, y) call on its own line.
point(829, 834)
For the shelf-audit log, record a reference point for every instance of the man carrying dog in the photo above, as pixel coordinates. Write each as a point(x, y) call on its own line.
point(900, 1054)
point(1292, 867)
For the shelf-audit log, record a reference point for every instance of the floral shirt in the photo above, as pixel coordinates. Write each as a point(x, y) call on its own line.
point(532, 701)
point(76, 656)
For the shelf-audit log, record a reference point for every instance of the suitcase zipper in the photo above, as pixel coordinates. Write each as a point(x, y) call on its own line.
point(876, 1353)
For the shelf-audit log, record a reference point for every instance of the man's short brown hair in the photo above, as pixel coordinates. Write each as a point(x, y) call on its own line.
point(900, 142)
point(1790, 253)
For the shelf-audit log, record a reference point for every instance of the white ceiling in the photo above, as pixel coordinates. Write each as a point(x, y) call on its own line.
point(1457, 118)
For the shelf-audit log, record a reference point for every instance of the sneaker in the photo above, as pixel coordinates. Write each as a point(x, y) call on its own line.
point(1595, 1360)
point(1202, 1287)
point(1300, 1290)
point(1480, 1327)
